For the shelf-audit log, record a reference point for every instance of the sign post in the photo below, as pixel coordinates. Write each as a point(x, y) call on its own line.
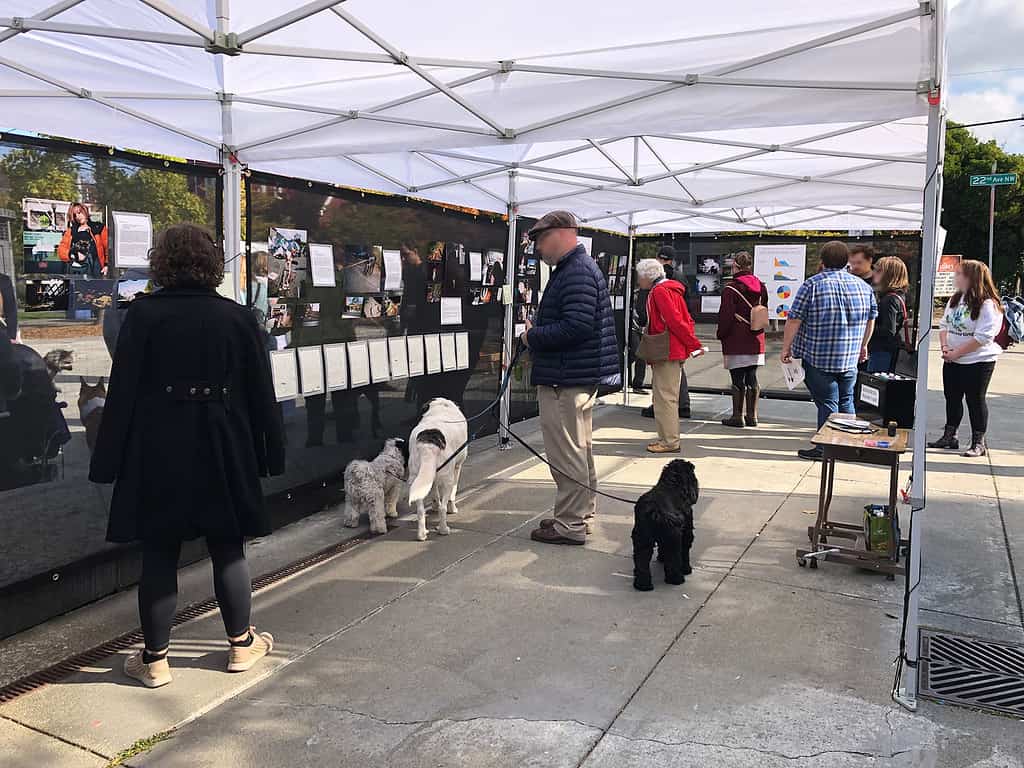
point(992, 180)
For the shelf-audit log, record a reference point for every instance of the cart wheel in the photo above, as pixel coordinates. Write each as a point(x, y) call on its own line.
point(801, 562)
point(824, 539)
point(814, 564)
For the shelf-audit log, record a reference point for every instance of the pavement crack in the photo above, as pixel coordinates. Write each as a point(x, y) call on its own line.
point(761, 750)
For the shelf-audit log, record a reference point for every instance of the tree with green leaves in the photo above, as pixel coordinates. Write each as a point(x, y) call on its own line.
point(164, 195)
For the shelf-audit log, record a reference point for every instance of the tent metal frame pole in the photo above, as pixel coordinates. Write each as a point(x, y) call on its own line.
point(667, 167)
point(46, 13)
point(504, 443)
point(172, 13)
point(789, 148)
point(377, 172)
point(285, 20)
point(232, 204)
point(135, 35)
point(626, 321)
point(450, 172)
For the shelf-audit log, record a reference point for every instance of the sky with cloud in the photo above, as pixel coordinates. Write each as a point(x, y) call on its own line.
point(986, 66)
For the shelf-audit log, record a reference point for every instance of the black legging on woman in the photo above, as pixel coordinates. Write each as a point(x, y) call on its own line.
point(967, 381)
point(744, 378)
point(158, 589)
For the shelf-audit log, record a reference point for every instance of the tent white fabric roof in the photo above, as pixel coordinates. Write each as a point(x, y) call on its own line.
point(734, 115)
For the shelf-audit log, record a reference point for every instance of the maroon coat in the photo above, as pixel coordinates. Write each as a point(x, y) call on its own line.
point(735, 334)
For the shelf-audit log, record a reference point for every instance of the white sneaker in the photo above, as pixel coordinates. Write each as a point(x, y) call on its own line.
point(151, 675)
point(244, 657)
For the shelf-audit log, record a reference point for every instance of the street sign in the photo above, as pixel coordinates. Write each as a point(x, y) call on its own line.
point(993, 179)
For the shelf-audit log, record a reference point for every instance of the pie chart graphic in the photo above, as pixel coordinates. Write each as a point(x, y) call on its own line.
point(784, 292)
point(782, 310)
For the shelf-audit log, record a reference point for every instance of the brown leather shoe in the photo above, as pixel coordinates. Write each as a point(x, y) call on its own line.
point(549, 522)
point(552, 536)
point(660, 447)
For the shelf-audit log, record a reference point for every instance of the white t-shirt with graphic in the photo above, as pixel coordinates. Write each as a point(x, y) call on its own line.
point(960, 328)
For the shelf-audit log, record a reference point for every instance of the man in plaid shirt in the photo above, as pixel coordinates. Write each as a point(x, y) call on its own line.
point(828, 328)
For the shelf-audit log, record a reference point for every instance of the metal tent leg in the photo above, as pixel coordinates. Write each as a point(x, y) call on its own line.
point(508, 335)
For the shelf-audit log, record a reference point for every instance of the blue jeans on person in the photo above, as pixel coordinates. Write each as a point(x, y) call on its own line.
point(881, 361)
point(831, 391)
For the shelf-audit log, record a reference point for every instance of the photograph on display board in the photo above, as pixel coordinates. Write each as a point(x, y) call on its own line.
point(308, 315)
point(435, 251)
point(392, 306)
point(353, 306)
point(526, 244)
point(482, 296)
point(363, 268)
point(709, 275)
point(93, 295)
point(288, 251)
point(454, 281)
point(494, 268)
point(434, 291)
point(127, 290)
point(526, 313)
point(530, 267)
point(373, 308)
point(281, 315)
point(435, 272)
point(524, 292)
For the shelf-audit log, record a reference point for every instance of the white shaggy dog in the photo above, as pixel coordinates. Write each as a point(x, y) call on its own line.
point(375, 486)
point(441, 435)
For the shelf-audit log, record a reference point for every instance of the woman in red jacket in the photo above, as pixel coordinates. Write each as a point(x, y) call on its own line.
point(667, 312)
point(742, 347)
point(84, 245)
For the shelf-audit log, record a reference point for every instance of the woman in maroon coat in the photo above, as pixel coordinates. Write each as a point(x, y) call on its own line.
point(742, 348)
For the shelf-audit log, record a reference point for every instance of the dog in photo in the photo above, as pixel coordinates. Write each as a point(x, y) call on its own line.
point(91, 400)
point(374, 487)
point(664, 517)
point(437, 451)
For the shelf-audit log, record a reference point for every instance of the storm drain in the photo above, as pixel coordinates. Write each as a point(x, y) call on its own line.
point(971, 672)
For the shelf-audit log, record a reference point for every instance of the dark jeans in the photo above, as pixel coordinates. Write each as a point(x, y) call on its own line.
point(831, 391)
point(158, 588)
point(968, 381)
point(744, 378)
point(881, 361)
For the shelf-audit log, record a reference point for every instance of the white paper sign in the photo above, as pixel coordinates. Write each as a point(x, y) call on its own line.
point(462, 350)
point(417, 363)
point(336, 363)
point(520, 329)
point(545, 275)
point(311, 370)
point(449, 361)
point(321, 265)
point(794, 373)
point(398, 357)
point(133, 237)
point(620, 302)
point(451, 310)
point(392, 270)
point(586, 242)
point(710, 304)
point(380, 370)
point(781, 268)
point(285, 373)
point(869, 395)
point(432, 346)
point(476, 270)
point(358, 364)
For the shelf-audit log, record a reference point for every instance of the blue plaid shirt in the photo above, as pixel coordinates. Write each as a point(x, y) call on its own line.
point(834, 308)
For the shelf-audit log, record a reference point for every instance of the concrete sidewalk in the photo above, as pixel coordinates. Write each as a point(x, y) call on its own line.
point(484, 648)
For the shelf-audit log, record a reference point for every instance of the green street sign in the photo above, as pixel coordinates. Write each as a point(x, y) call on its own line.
point(993, 179)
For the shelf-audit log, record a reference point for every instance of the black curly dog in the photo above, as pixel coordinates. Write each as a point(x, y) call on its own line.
point(664, 516)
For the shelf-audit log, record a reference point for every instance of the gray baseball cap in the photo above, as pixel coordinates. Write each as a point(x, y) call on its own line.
point(553, 220)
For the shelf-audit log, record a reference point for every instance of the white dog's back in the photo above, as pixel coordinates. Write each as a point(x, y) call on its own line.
point(441, 434)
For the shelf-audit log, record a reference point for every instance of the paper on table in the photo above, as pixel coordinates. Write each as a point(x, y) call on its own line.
point(133, 237)
point(358, 364)
point(398, 355)
point(285, 373)
point(336, 363)
point(321, 264)
point(476, 273)
point(451, 310)
point(392, 271)
point(416, 361)
point(710, 304)
point(380, 371)
point(432, 345)
point(448, 359)
point(620, 302)
point(462, 350)
point(311, 370)
point(794, 373)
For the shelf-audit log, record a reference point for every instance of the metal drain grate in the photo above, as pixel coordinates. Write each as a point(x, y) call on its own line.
point(975, 673)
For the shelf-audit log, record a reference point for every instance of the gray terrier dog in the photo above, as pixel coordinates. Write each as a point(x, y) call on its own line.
point(375, 486)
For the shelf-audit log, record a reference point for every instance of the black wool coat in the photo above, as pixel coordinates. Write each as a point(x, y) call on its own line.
point(190, 422)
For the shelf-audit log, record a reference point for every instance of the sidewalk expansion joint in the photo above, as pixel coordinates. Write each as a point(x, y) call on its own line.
point(1006, 541)
point(55, 737)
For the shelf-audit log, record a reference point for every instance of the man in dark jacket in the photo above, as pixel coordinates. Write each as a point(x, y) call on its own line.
point(574, 350)
point(673, 271)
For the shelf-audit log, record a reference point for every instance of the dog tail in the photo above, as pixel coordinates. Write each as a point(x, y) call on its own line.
point(430, 444)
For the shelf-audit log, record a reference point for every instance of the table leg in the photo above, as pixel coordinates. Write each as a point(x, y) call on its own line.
point(894, 536)
point(824, 499)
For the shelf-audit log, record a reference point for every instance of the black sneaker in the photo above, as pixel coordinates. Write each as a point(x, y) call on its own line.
point(648, 412)
point(684, 413)
point(817, 453)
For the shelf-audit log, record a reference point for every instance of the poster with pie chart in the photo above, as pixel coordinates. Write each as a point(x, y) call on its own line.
point(782, 269)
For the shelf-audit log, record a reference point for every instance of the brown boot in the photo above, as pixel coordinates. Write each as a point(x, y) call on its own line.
point(736, 420)
point(978, 447)
point(752, 395)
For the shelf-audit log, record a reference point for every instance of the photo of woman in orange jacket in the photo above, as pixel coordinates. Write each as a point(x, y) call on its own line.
point(84, 245)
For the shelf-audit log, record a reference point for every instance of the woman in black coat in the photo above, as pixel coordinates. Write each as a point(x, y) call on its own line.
point(189, 426)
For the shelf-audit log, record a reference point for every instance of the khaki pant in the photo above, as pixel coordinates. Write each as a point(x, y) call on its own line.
point(566, 421)
point(665, 394)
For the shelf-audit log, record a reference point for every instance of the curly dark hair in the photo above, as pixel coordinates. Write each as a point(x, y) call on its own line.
point(186, 256)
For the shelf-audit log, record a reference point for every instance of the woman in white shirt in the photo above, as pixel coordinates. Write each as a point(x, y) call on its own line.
point(967, 331)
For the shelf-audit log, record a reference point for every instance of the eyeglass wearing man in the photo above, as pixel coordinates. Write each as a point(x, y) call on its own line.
point(574, 350)
point(828, 328)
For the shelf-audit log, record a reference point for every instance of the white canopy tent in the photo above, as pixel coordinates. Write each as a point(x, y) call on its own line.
point(650, 116)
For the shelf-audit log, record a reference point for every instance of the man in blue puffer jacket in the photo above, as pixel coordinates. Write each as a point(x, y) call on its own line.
point(574, 350)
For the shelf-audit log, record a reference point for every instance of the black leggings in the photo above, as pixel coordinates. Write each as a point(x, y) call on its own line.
point(744, 378)
point(158, 588)
point(970, 381)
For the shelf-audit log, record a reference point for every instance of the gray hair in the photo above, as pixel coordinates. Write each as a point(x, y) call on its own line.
point(650, 269)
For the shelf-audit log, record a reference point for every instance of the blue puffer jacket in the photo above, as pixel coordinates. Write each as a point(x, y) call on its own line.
point(573, 343)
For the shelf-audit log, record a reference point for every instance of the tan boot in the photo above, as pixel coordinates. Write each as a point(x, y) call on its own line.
point(151, 675)
point(244, 657)
point(736, 420)
point(752, 395)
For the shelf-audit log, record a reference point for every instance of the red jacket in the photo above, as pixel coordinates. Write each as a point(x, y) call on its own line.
point(666, 310)
point(735, 334)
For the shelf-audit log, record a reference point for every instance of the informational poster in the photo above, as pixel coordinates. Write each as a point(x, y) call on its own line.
point(358, 364)
point(449, 360)
point(462, 351)
point(398, 357)
point(336, 366)
point(476, 267)
point(545, 275)
point(285, 372)
point(586, 242)
point(945, 271)
point(432, 346)
point(133, 238)
point(710, 304)
point(380, 369)
point(417, 361)
point(620, 302)
point(451, 310)
point(321, 265)
point(311, 370)
point(392, 270)
point(781, 268)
